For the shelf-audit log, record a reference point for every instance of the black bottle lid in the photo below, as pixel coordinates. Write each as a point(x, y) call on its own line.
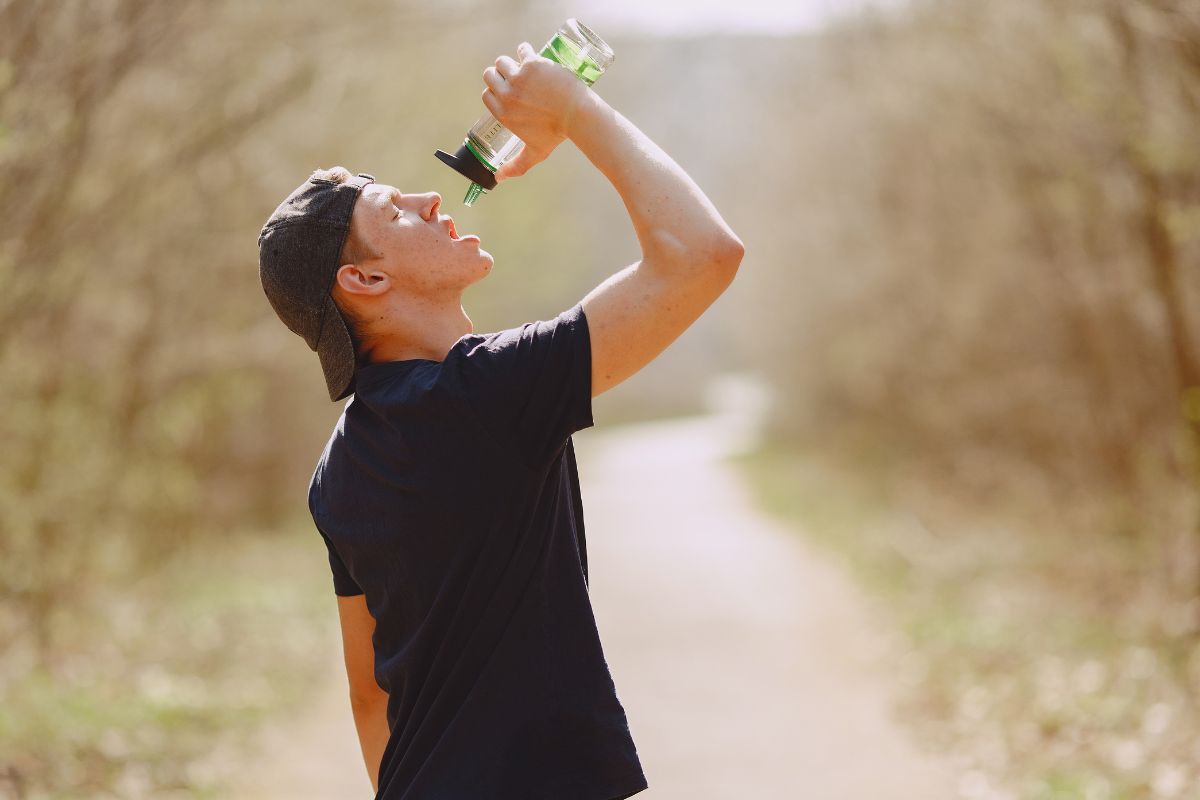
point(466, 164)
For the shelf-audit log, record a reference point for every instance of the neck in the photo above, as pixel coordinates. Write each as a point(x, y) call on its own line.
point(418, 328)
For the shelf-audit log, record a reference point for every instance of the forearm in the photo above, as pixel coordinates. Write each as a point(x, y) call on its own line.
point(674, 220)
point(370, 718)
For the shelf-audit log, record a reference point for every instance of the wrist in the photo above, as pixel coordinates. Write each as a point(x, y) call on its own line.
point(582, 114)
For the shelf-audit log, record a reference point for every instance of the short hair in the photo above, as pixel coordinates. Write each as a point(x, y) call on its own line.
point(352, 251)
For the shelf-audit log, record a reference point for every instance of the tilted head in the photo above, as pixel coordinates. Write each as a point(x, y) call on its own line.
point(342, 253)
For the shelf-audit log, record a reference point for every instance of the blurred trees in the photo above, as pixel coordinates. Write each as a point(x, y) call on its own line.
point(124, 415)
point(1002, 203)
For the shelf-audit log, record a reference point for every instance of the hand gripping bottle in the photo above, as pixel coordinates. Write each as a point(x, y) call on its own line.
point(489, 144)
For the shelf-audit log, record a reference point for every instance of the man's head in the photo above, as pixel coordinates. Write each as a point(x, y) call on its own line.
point(345, 260)
point(400, 251)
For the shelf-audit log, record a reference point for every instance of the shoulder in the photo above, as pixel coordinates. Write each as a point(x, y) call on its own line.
point(320, 473)
point(536, 334)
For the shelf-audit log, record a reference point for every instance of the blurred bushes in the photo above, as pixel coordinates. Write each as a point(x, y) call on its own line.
point(989, 274)
point(133, 358)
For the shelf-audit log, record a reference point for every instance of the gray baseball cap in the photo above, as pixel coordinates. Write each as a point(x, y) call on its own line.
point(298, 251)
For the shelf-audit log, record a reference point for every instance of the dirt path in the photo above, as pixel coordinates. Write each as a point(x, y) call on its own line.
point(748, 666)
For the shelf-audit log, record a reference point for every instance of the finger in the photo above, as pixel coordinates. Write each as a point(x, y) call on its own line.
point(521, 163)
point(511, 169)
point(506, 67)
point(525, 51)
point(495, 81)
point(493, 103)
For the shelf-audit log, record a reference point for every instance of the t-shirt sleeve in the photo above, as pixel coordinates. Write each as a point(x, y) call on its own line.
point(532, 385)
point(344, 584)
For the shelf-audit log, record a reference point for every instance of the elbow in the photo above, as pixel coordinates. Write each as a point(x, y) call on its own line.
point(726, 254)
point(720, 253)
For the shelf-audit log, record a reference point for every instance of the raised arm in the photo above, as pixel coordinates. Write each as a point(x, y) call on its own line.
point(689, 253)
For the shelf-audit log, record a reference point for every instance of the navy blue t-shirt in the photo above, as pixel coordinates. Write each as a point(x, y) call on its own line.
point(449, 495)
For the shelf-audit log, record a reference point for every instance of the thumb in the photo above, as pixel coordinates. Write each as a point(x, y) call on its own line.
point(525, 52)
point(521, 163)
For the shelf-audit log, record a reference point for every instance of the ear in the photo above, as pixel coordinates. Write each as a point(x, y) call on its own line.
point(352, 279)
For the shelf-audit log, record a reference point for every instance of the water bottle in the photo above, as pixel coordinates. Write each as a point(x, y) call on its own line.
point(489, 144)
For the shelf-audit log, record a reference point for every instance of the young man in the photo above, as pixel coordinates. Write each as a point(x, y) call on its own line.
point(448, 496)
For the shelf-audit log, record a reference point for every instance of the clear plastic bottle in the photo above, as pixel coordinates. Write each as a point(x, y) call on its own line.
point(489, 144)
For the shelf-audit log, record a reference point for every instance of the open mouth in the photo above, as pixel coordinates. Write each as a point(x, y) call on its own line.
point(452, 232)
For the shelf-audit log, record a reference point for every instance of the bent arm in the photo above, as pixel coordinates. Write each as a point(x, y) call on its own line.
point(674, 220)
point(689, 254)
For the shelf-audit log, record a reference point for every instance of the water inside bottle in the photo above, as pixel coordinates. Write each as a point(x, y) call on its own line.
point(494, 144)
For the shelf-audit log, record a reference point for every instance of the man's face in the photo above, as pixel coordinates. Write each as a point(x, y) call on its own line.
point(404, 236)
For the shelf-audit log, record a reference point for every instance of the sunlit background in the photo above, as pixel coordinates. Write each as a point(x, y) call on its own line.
point(963, 332)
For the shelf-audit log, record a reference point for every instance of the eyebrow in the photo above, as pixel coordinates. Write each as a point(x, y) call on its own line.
point(388, 197)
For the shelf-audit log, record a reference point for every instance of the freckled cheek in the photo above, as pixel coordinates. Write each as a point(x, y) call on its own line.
point(433, 242)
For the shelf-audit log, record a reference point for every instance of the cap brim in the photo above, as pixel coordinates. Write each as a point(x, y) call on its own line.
point(335, 349)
